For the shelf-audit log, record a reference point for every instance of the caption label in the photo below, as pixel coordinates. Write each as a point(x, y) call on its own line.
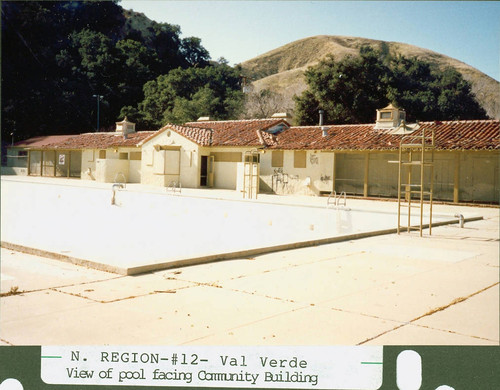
point(245, 367)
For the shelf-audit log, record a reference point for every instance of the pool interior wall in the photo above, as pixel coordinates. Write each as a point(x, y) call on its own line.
point(144, 231)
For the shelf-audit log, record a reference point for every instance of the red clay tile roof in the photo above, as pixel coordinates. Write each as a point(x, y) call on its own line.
point(41, 141)
point(197, 135)
point(98, 141)
point(450, 135)
point(228, 133)
point(238, 125)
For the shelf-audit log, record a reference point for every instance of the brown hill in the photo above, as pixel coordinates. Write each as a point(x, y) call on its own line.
point(281, 70)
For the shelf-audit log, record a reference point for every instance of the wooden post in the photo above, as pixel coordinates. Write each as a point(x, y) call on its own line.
point(29, 162)
point(367, 163)
point(55, 163)
point(69, 164)
point(456, 179)
point(334, 169)
point(41, 162)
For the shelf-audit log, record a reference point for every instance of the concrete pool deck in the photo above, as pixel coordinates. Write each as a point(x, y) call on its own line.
point(392, 289)
point(440, 289)
point(148, 228)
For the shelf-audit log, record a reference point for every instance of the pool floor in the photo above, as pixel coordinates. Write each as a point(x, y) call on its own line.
point(146, 231)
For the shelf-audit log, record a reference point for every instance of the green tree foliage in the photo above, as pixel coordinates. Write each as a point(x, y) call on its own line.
point(431, 95)
point(57, 54)
point(184, 95)
point(350, 90)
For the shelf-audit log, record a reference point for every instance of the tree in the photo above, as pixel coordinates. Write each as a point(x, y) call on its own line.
point(350, 90)
point(57, 54)
point(183, 95)
point(193, 53)
point(263, 104)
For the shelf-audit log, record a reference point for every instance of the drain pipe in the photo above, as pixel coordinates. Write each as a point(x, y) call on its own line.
point(461, 219)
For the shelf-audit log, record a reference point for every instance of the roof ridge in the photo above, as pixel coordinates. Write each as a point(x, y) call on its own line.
point(240, 120)
point(461, 121)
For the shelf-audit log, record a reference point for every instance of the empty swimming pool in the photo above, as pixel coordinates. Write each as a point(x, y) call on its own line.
point(146, 230)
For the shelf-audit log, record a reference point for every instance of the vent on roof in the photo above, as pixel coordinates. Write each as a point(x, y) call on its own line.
point(204, 119)
point(125, 127)
point(389, 117)
point(393, 120)
point(282, 115)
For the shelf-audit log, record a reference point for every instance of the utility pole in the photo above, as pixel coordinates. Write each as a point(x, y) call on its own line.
point(99, 97)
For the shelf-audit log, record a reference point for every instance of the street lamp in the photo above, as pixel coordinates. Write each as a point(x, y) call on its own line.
point(99, 97)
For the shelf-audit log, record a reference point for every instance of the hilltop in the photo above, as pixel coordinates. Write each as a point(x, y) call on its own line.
point(281, 70)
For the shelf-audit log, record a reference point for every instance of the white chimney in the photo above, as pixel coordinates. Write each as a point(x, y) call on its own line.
point(125, 127)
point(389, 117)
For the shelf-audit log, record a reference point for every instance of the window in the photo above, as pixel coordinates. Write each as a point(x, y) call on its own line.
point(386, 115)
point(226, 156)
point(299, 159)
point(102, 154)
point(123, 156)
point(135, 155)
point(277, 159)
point(254, 158)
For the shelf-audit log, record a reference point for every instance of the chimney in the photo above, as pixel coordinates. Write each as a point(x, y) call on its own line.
point(389, 117)
point(125, 127)
point(321, 112)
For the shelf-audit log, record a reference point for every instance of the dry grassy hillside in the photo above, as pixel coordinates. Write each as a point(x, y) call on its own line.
point(281, 70)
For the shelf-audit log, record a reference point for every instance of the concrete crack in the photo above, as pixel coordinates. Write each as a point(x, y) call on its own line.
point(431, 312)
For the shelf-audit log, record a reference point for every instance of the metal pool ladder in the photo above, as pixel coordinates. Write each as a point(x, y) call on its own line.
point(334, 200)
point(416, 151)
point(174, 187)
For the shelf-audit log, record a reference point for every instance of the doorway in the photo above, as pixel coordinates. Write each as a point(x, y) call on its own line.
point(207, 171)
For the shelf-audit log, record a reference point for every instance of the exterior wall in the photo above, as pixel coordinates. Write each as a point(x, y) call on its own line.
point(226, 162)
point(14, 159)
point(116, 167)
point(315, 178)
point(134, 171)
point(88, 165)
point(459, 176)
point(479, 177)
point(111, 170)
point(14, 171)
point(467, 176)
point(75, 164)
point(35, 158)
point(350, 172)
point(188, 168)
point(382, 175)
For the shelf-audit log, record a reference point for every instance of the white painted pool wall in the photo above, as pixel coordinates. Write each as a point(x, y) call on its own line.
point(81, 222)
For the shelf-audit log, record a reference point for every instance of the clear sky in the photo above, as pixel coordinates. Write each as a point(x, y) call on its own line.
point(240, 30)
